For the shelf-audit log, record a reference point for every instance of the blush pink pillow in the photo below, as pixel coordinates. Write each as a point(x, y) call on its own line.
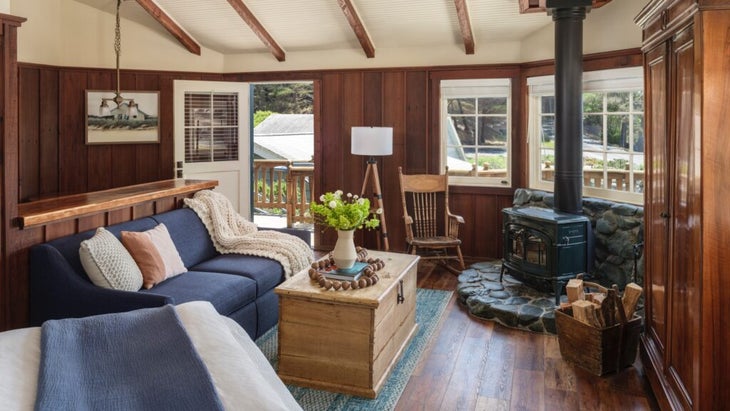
point(146, 256)
point(161, 239)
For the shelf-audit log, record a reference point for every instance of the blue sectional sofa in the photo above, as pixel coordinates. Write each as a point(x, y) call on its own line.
point(239, 286)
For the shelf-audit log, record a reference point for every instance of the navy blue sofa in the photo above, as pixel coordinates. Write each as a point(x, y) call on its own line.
point(239, 286)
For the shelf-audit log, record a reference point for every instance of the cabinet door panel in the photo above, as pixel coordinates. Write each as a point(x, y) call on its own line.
point(686, 231)
point(657, 193)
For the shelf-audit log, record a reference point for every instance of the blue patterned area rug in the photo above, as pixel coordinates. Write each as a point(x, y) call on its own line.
point(430, 305)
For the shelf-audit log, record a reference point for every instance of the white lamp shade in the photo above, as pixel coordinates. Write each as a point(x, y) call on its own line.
point(372, 141)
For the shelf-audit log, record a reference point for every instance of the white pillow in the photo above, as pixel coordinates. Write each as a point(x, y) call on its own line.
point(108, 264)
point(161, 240)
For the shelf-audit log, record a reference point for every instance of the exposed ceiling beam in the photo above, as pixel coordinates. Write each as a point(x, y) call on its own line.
point(362, 34)
point(534, 6)
point(462, 11)
point(169, 24)
point(257, 28)
point(531, 6)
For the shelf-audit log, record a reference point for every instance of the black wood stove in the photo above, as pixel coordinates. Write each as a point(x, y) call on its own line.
point(544, 248)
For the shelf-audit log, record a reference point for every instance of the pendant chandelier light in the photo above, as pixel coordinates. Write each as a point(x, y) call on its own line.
point(104, 109)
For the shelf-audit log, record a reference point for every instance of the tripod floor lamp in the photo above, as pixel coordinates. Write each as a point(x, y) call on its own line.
point(374, 141)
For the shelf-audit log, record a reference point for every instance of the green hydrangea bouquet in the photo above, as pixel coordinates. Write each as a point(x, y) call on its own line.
point(344, 212)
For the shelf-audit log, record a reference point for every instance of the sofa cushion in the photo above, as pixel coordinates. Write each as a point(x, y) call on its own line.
point(189, 234)
point(267, 273)
point(69, 246)
point(267, 311)
point(226, 292)
point(108, 264)
point(146, 256)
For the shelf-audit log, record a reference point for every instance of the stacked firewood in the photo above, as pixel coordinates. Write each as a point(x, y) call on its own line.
point(602, 308)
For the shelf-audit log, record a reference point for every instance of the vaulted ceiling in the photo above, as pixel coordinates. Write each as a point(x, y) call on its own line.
point(279, 26)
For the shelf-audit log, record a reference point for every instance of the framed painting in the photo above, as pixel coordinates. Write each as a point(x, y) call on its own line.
point(134, 121)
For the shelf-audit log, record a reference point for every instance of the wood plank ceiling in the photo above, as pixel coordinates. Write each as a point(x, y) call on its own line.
point(169, 24)
point(278, 26)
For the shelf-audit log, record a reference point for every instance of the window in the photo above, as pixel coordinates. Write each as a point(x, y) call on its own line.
point(211, 126)
point(476, 131)
point(613, 134)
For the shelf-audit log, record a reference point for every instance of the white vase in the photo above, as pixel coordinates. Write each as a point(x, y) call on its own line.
point(344, 252)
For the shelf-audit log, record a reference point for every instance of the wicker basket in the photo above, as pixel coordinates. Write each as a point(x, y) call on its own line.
point(597, 350)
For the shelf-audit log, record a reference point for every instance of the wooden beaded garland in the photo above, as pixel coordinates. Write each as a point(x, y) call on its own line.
point(366, 280)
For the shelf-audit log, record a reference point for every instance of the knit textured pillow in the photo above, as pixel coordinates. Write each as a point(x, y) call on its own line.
point(108, 264)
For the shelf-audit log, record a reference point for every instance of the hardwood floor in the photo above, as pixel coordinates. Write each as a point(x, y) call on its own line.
point(474, 364)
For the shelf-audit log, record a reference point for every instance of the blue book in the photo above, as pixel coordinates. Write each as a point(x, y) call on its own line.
point(347, 274)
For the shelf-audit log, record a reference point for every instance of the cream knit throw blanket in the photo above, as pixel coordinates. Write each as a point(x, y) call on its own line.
point(232, 234)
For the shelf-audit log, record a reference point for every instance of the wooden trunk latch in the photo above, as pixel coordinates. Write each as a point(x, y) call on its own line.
point(400, 299)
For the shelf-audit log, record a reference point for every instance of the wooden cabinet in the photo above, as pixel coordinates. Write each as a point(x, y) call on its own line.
point(687, 71)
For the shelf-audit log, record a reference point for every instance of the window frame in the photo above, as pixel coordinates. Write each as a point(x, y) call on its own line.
point(475, 88)
point(602, 81)
point(229, 124)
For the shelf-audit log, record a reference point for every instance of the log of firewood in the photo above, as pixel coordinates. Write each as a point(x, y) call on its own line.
point(596, 297)
point(608, 308)
point(600, 321)
point(619, 306)
point(574, 290)
point(630, 298)
point(585, 312)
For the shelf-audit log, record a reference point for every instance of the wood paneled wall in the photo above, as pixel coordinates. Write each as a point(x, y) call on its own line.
point(53, 159)
point(406, 99)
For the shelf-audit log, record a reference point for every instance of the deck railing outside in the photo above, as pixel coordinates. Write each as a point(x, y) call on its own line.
point(615, 179)
point(284, 187)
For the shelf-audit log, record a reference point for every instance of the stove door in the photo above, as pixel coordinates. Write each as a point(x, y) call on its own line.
point(528, 248)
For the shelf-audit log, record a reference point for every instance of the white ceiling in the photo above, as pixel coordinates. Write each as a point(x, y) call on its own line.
point(320, 25)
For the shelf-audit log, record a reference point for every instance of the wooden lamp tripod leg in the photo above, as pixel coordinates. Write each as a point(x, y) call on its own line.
point(372, 172)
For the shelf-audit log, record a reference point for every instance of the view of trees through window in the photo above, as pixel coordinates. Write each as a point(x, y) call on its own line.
point(475, 130)
point(283, 98)
point(613, 139)
point(481, 127)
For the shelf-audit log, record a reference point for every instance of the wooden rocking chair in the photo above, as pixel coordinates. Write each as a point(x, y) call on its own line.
point(431, 229)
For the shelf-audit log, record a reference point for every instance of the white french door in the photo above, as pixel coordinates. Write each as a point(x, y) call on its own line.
point(213, 137)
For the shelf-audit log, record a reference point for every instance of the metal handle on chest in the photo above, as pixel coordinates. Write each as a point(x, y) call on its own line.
point(401, 299)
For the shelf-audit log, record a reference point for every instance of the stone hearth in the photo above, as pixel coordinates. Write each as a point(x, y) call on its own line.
point(509, 303)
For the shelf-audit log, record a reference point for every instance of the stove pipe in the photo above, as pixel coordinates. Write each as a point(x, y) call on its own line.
point(568, 16)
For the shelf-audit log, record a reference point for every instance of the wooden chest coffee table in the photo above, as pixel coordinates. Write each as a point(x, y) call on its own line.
point(347, 341)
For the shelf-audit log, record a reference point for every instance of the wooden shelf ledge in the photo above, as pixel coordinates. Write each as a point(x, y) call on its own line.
point(50, 210)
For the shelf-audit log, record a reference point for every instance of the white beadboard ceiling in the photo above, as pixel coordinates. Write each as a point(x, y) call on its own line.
point(320, 25)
